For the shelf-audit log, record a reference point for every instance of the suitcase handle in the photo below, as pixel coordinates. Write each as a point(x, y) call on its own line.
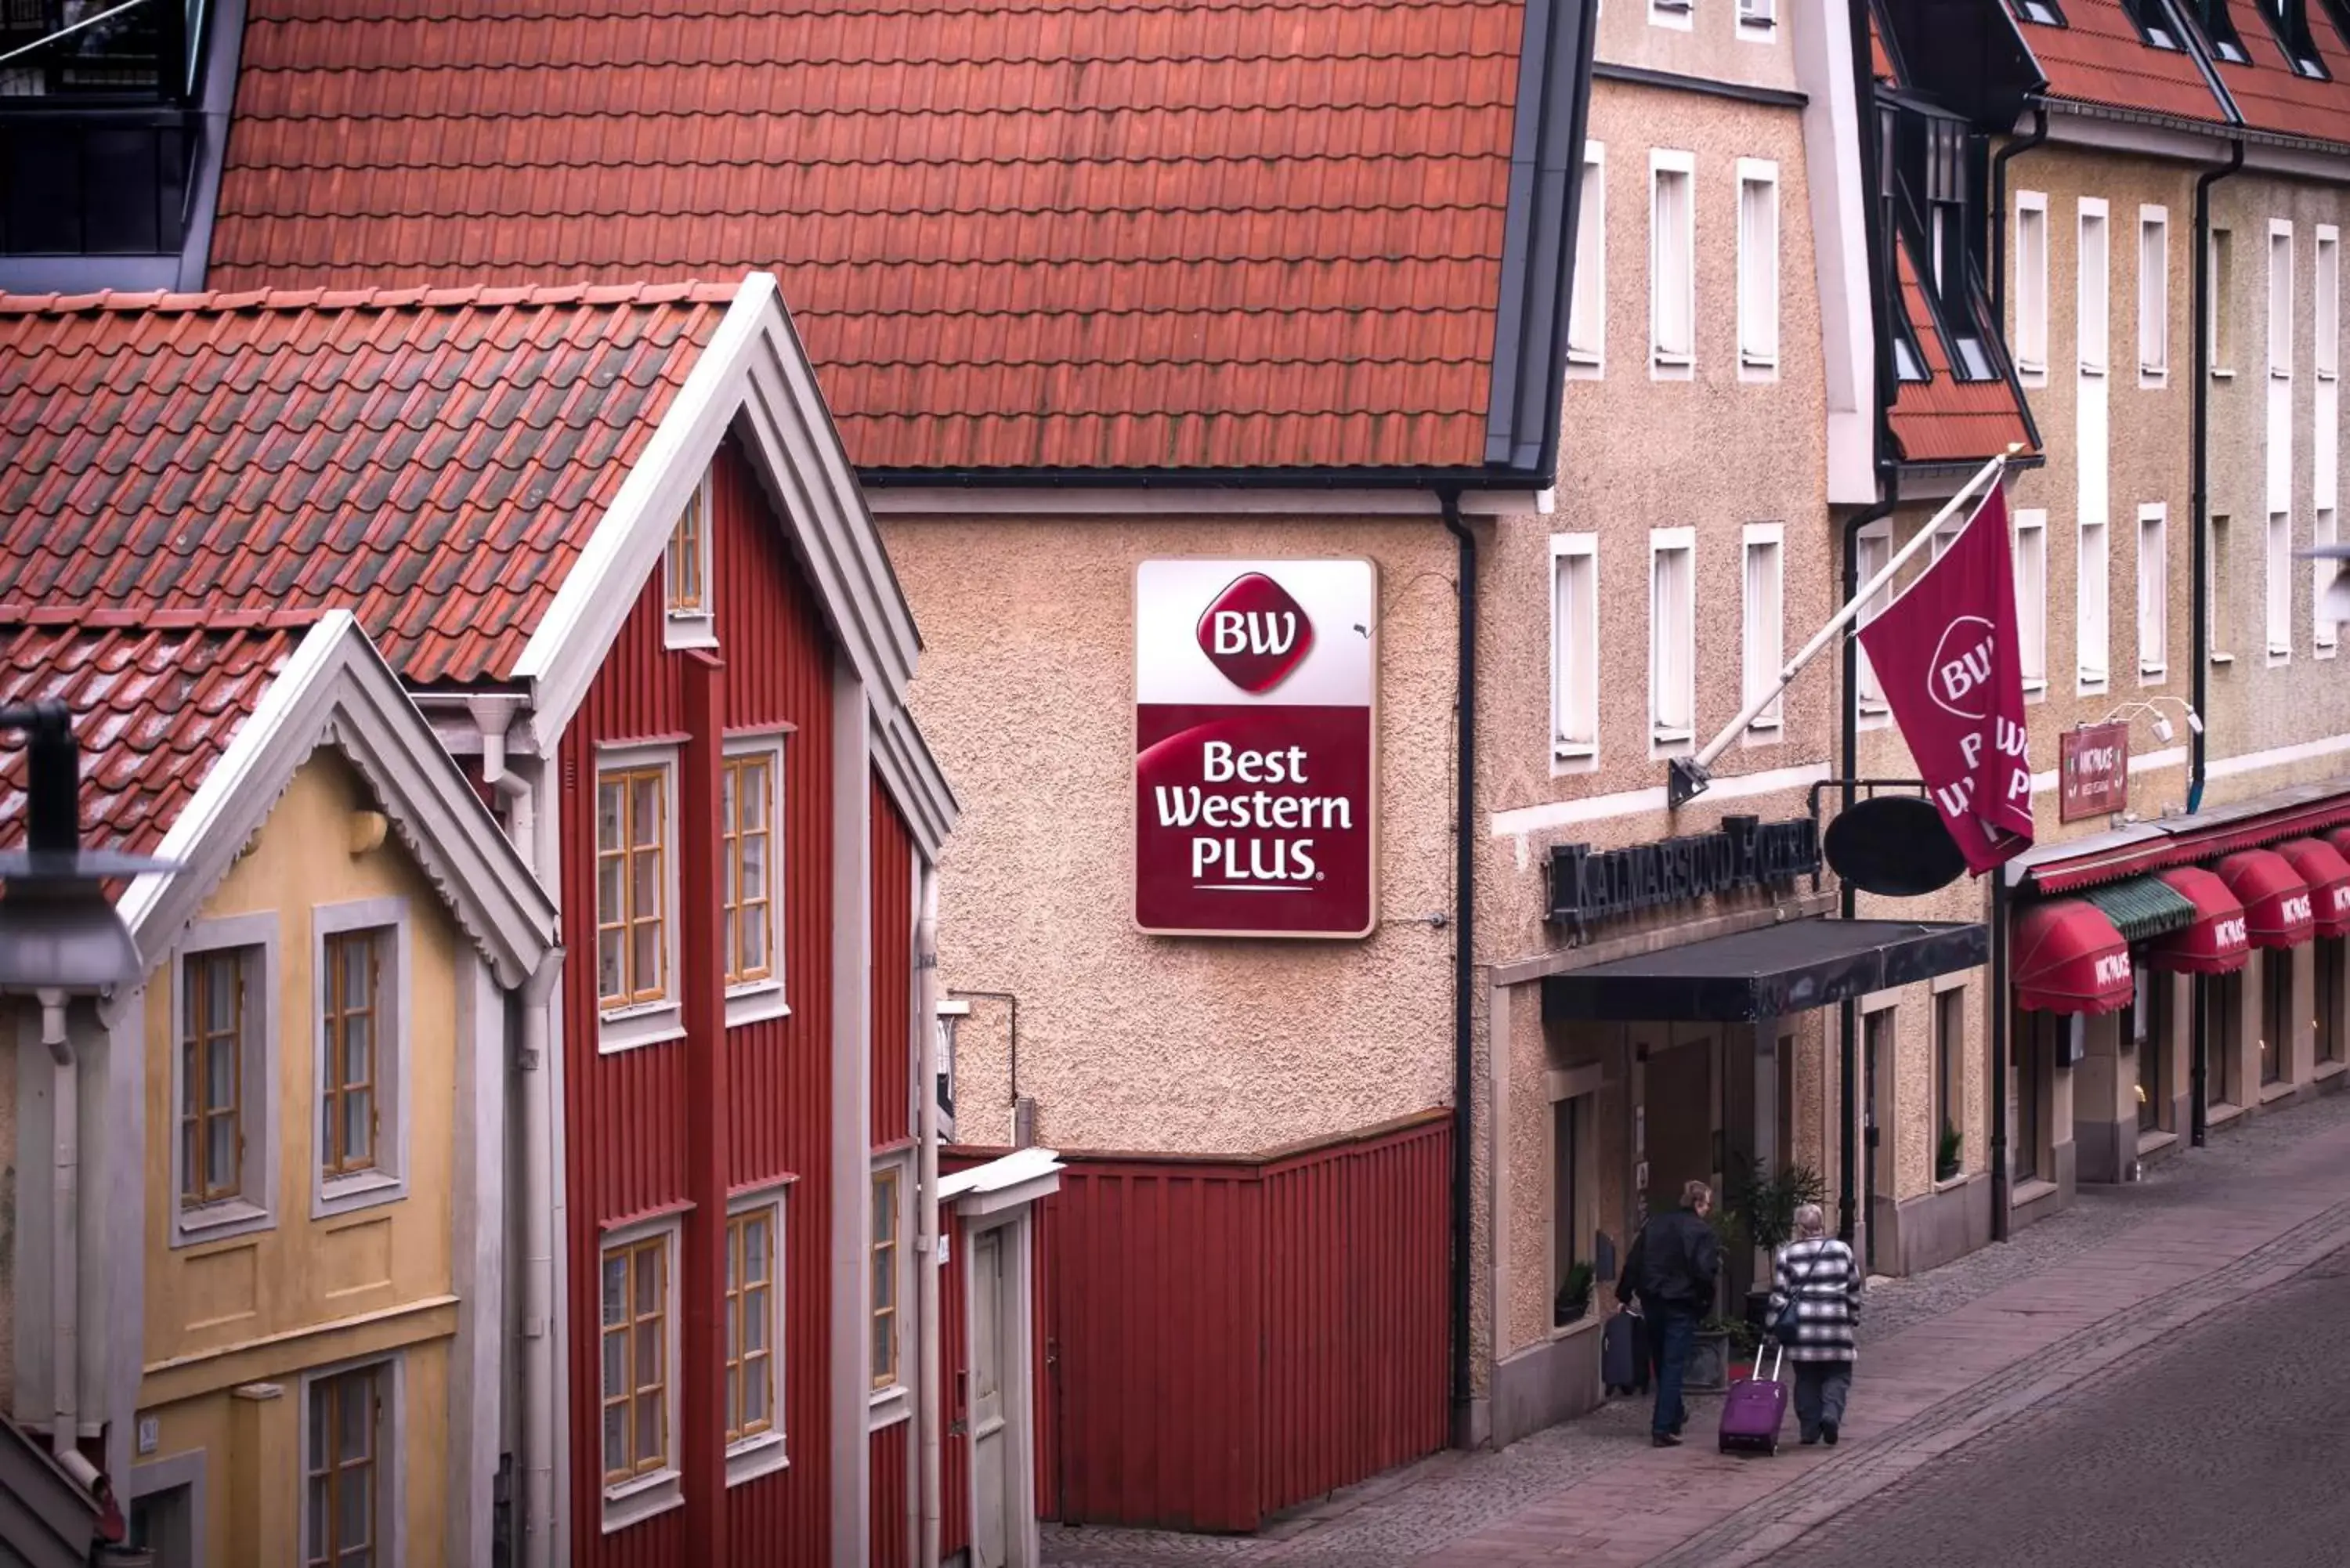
point(1778, 1360)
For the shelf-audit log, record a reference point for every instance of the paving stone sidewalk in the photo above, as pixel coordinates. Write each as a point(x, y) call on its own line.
point(1945, 1357)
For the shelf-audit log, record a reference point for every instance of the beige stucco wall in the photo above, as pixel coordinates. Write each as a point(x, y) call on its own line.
point(1134, 1041)
point(1713, 46)
point(259, 1309)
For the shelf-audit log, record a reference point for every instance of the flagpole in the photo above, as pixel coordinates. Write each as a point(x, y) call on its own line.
point(1687, 777)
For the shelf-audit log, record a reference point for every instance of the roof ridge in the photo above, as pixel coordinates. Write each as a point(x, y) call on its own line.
point(695, 291)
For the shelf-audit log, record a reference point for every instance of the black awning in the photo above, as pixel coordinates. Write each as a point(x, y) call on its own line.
point(1766, 972)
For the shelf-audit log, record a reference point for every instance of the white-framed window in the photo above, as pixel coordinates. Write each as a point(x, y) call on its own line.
point(1586, 319)
point(1764, 638)
point(1672, 263)
point(754, 1335)
point(2031, 597)
point(890, 1247)
point(224, 1079)
point(1758, 267)
point(637, 1339)
point(2094, 319)
point(636, 896)
point(1757, 19)
point(2281, 299)
point(2153, 593)
point(2325, 310)
point(1674, 13)
point(750, 850)
point(1574, 647)
point(688, 587)
point(2222, 320)
point(359, 1053)
point(1871, 550)
point(1673, 637)
point(2279, 595)
point(2217, 622)
point(2031, 286)
point(2152, 295)
point(2091, 613)
point(352, 1438)
point(2324, 635)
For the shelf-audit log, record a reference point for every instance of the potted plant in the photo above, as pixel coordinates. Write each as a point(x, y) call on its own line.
point(1946, 1155)
point(1760, 1212)
point(1573, 1297)
point(1720, 1341)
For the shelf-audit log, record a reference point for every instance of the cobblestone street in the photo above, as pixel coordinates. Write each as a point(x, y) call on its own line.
point(2001, 1345)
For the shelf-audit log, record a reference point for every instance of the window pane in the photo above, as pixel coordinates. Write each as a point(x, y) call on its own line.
point(358, 1128)
point(754, 1249)
point(355, 1495)
point(616, 1438)
point(615, 1291)
point(609, 884)
point(190, 1083)
point(322, 1415)
point(321, 1501)
point(753, 934)
point(611, 949)
point(357, 954)
point(755, 866)
point(616, 1364)
point(755, 787)
point(644, 885)
point(754, 1395)
point(645, 810)
point(220, 1155)
point(884, 1347)
point(649, 1429)
point(647, 1262)
point(648, 956)
point(356, 1407)
point(754, 1321)
point(607, 815)
point(358, 1050)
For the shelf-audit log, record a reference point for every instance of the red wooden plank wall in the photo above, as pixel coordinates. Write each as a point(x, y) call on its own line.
point(1231, 1338)
point(893, 972)
point(887, 1545)
point(624, 1113)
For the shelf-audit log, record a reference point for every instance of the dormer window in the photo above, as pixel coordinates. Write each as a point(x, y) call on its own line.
point(2153, 23)
point(2290, 19)
point(2044, 11)
point(2220, 28)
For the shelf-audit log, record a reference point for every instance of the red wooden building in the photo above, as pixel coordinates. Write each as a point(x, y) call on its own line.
point(608, 539)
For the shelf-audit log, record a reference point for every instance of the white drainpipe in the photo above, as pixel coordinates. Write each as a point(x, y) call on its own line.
point(929, 1411)
point(65, 1285)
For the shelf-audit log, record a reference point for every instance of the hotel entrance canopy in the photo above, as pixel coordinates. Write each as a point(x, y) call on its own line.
point(1767, 973)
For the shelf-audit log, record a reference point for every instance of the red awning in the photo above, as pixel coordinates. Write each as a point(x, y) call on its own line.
point(2069, 959)
point(2216, 942)
point(2276, 900)
point(2321, 865)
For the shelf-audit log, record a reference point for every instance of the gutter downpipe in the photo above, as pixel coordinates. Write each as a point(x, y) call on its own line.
point(1464, 951)
point(2198, 650)
point(926, 1225)
point(64, 1197)
point(1998, 160)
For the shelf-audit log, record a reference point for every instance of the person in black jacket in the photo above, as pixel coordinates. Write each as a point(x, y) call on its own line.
point(1672, 1267)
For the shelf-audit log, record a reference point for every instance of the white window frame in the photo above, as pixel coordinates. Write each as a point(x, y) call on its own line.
point(2031, 597)
point(2093, 290)
point(254, 1209)
point(1678, 14)
point(1758, 276)
point(1664, 740)
point(2032, 287)
point(1873, 547)
point(1762, 639)
point(1672, 364)
point(2276, 591)
point(2153, 593)
point(1575, 649)
point(697, 627)
point(2325, 313)
point(2218, 525)
point(888, 1407)
point(754, 1002)
point(2326, 635)
point(391, 1447)
point(643, 1024)
point(1758, 20)
point(748, 1459)
point(2279, 301)
point(389, 1181)
point(1587, 330)
point(656, 1491)
point(2220, 259)
point(2154, 298)
point(2093, 611)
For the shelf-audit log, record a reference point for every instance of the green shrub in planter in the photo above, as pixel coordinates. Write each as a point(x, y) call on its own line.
point(1573, 1297)
point(1946, 1154)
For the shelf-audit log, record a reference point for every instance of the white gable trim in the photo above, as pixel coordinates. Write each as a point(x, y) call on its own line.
point(337, 690)
point(916, 787)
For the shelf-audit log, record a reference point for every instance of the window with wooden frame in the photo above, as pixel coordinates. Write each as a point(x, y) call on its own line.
point(752, 1324)
point(348, 1101)
point(748, 802)
point(344, 1512)
point(632, 886)
point(686, 586)
point(636, 1359)
point(212, 1077)
point(886, 1190)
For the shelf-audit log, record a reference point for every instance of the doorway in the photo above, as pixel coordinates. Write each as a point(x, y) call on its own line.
point(991, 1541)
point(1877, 1120)
point(167, 1509)
point(1679, 1118)
point(1002, 1403)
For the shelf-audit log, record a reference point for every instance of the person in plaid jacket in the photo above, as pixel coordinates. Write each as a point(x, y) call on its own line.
point(1815, 1288)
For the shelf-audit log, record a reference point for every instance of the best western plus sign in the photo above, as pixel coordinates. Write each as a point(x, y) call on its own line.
point(1255, 748)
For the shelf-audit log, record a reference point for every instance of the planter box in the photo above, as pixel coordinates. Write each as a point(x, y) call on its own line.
point(1708, 1364)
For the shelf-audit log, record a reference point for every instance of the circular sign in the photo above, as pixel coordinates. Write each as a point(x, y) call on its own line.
point(1893, 844)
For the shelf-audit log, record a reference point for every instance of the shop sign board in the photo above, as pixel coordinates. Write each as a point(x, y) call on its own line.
point(1256, 765)
point(2093, 778)
point(1588, 885)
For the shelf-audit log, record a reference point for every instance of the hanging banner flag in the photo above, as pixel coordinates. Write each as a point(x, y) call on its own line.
point(1945, 654)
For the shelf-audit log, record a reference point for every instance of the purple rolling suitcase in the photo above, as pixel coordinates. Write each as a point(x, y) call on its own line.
point(1756, 1407)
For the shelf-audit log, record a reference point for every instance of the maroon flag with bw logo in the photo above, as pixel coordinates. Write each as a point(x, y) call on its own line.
point(1945, 654)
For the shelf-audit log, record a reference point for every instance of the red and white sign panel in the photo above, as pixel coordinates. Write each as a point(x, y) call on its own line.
point(2092, 771)
point(1256, 766)
point(1945, 652)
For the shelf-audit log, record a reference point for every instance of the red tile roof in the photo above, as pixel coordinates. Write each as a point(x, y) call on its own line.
point(1014, 233)
point(154, 709)
point(432, 461)
point(1944, 420)
point(2271, 95)
point(2098, 58)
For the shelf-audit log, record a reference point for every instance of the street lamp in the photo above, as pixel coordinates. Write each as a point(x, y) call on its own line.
point(58, 930)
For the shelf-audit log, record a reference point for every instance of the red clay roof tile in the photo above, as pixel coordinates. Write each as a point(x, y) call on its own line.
point(2273, 97)
point(2097, 57)
point(249, 455)
point(1943, 418)
point(1015, 232)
